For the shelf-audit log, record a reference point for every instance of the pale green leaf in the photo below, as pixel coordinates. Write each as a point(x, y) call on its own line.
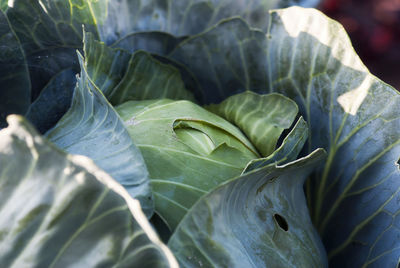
point(287, 151)
point(180, 171)
point(147, 78)
point(262, 118)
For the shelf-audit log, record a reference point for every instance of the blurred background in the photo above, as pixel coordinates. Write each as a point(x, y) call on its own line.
point(374, 29)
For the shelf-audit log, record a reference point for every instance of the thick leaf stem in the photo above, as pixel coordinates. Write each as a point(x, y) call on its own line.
point(322, 186)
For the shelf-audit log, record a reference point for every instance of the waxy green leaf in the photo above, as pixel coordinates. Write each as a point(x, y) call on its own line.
point(53, 102)
point(147, 78)
point(188, 151)
point(262, 118)
point(59, 210)
point(288, 151)
point(50, 32)
point(259, 219)
point(183, 17)
point(122, 76)
point(159, 43)
point(227, 59)
point(353, 115)
point(92, 127)
point(105, 66)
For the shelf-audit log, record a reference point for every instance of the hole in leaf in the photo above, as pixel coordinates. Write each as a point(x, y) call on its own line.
point(281, 222)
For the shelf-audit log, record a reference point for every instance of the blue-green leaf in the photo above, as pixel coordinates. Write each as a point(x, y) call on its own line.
point(227, 59)
point(356, 118)
point(105, 66)
point(53, 102)
point(91, 127)
point(184, 17)
point(50, 32)
point(259, 219)
point(59, 210)
point(350, 113)
point(154, 42)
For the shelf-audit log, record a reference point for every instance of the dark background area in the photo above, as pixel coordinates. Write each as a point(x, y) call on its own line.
point(374, 29)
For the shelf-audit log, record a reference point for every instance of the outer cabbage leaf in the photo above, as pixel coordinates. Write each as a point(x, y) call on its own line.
point(53, 102)
point(59, 210)
point(227, 59)
point(193, 17)
point(50, 32)
point(54, 23)
point(183, 17)
point(259, 219)
point(154, 42)
point(188, 151)
point(122, 76)
point(350, 113)
point(146, 79)
point(91, 127)
point(105, 66)
point(356, 118)
point(15, 93)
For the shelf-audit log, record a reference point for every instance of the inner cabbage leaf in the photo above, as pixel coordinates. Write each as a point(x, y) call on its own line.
point(189, 150)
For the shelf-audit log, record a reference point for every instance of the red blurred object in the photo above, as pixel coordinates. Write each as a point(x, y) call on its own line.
point(330, 5)
point(381, 39)
point(374, 28)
